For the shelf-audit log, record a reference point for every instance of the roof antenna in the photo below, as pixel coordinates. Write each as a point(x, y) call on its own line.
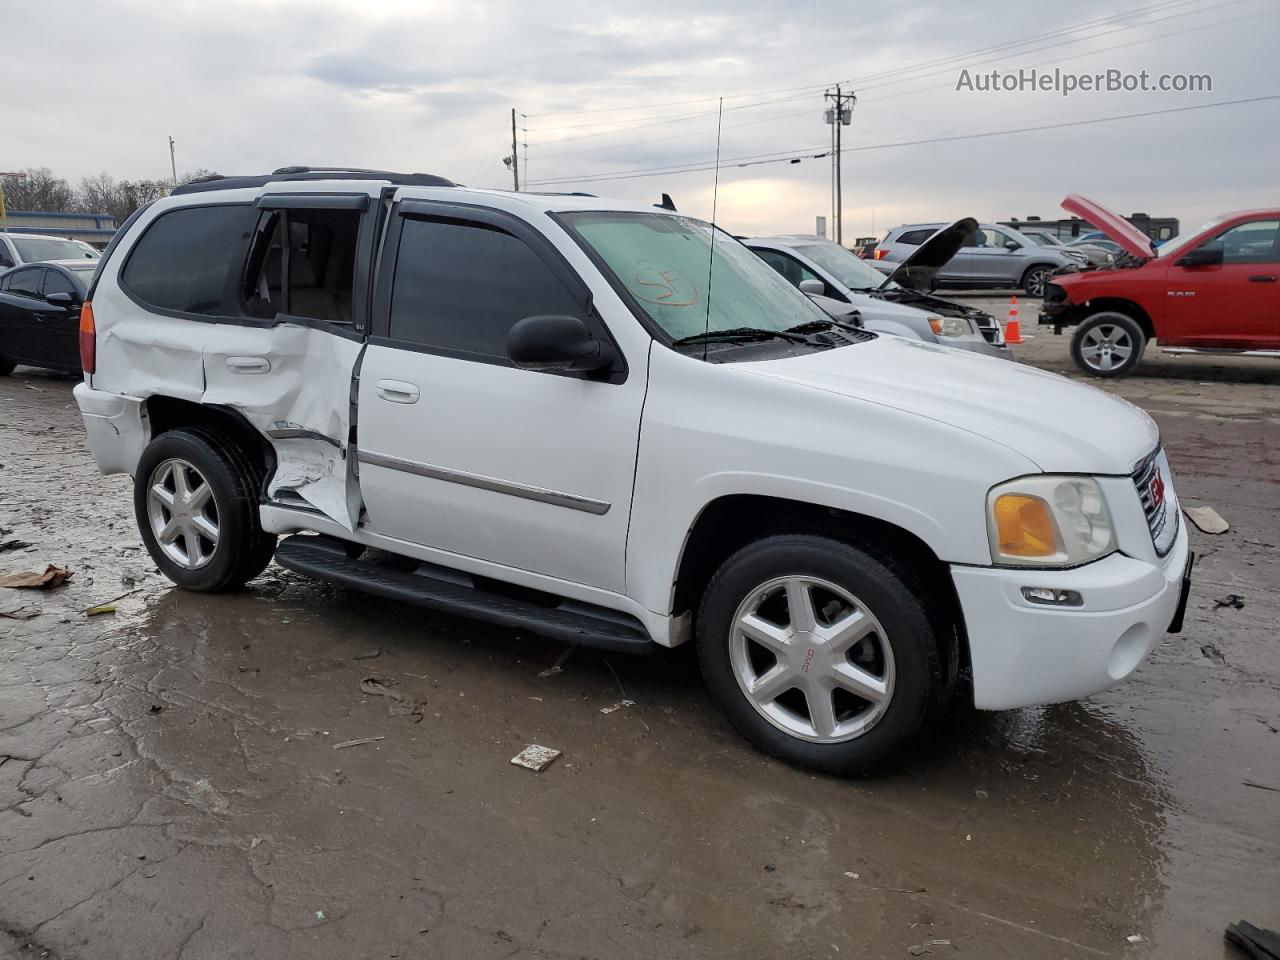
point(667, 203)
point(715, 195)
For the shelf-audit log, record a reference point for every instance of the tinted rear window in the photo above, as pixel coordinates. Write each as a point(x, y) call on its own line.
point(189, 260)
point(916, 237)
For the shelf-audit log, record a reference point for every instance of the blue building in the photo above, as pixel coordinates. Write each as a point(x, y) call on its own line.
point(93, 228)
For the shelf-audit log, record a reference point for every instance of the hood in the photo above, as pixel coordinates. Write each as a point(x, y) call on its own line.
point(1060, 425)
point(1130, 238)
point(918, 270)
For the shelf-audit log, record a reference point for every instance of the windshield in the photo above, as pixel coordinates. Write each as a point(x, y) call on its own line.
point(31, 249)
point(845, 266)
point(662, 261)
point(1186, 236)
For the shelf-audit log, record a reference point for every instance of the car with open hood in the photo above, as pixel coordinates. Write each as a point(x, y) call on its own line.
point(990, 255)
point(901, 303)
point(1088, 253)
point(1214, 289)
point(616, 426)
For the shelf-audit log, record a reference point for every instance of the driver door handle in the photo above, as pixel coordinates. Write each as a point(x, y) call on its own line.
point(397, 391)
point(1262, 278)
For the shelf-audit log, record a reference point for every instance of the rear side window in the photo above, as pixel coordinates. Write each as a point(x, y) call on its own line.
point(55, 282)
point(914, 238)
point(461, 287)
point(794, 272)
point(189, 260)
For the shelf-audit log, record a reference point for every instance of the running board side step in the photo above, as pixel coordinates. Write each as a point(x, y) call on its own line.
point(455, 592)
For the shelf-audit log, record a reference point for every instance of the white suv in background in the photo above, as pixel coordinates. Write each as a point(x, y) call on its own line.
point(545, 416)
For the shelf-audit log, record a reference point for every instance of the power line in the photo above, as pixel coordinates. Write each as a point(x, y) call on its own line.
point(797, 154)
point(787, 116)
point(910, 68)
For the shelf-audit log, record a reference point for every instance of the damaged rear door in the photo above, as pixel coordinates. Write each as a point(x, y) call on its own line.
point(288, 368)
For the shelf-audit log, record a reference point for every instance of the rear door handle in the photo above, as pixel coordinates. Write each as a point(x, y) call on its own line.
point(397, 391)
point(1262, 278)
point(248, 364)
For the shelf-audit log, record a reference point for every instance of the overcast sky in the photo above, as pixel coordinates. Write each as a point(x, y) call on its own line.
point(245, 87)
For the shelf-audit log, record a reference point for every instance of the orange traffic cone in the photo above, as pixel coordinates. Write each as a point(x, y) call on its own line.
point(1012, 328)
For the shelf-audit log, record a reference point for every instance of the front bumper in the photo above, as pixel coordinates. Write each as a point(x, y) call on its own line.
point(977, 345)
point(1024, 654)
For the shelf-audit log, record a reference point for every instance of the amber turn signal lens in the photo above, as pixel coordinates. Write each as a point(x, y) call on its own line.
point(935, 324)
point(88, 339)
point(1025, 526)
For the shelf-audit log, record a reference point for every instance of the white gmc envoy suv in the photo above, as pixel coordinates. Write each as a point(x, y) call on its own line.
point(615, 425)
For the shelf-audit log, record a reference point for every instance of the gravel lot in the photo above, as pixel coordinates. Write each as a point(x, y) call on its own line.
point(171, 783)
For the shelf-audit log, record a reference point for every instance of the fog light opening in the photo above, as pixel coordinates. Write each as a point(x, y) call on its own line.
point(1052, 597)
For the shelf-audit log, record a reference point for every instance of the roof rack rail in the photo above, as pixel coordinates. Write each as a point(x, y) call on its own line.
point(217, 181)
point(559, 193)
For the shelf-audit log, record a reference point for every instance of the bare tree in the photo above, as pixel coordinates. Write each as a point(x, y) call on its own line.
point(38, 190)
point(96, 194)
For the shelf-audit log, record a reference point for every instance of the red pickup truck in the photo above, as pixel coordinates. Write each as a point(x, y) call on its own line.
point(1215, 289)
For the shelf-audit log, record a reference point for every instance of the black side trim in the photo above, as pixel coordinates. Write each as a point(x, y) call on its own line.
point(314, 201)
point(292, 174)
point(454, 592)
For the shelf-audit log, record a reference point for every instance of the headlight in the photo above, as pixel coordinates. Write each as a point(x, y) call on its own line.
point(1049, 522)
point(949, 326)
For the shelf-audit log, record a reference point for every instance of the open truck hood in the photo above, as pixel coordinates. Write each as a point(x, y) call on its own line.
point(1132, 240)
point(918, 270)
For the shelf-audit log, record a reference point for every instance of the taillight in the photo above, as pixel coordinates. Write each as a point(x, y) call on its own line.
point(88, 339)
point(880, 252)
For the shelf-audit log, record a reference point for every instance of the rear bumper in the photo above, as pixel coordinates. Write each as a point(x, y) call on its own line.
point(115, 426)
point(1025, 654)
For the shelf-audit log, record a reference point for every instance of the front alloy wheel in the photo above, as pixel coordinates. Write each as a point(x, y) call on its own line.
point(812, 659)
point(1034, 282)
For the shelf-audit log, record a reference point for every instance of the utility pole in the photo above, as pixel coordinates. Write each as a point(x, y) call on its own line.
point(515, 157)
point(839, 116)
point(173, 162)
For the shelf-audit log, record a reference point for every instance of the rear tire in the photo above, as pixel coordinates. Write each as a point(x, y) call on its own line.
point(6, 367)
point(196, 502)
point(1108, 344)
point(800, 687)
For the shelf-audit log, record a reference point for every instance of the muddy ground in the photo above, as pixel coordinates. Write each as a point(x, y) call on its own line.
point(172, 783)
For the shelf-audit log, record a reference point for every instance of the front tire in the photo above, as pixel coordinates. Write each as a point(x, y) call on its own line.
point(1034, 280)
point(195, 499)
point(6, 367)
point(1108, 344)
point(820, 653)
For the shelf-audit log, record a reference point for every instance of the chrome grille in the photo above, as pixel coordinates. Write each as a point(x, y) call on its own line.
point(1144, 478)
point(987, 326)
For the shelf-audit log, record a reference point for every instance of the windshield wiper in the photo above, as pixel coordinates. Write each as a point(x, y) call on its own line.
point(739, 335)
point(813, 326)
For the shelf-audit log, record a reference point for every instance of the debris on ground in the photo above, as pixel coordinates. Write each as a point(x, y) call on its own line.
point(52, 576)
point(1207, 519)
point(356, 743)
point(401, 704)
point(1260, 786)
point(1232, 600)
point(1259, 944)
point(12, 545)
point(851, 875)
point(1136, 938)
point(613, 708)
point(19, 611)
point(1211, 652)
point(535, 757)
point(100, 609)
point(921, 949)
point(558, 666)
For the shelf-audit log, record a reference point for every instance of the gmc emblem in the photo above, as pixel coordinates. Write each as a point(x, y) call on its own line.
point(1157, 489)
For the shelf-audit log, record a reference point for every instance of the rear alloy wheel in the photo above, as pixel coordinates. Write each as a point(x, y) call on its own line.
point(819, 652)
point(1034, 280)
point(196, 502)
point(1108, 344)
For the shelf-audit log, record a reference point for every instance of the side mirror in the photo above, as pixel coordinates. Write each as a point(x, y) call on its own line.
point(813, 286)
point(60, 299)
point(1012, 245)
point(556, 343)
point(1206, 255)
